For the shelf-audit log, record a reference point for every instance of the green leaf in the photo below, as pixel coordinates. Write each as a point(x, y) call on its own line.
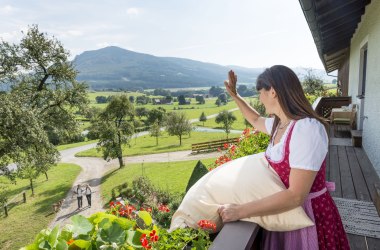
point(145, 216)
point(98, 217)
point(125, 223)
point(65, 235)
point(61, 245)
point(112, 234)
point(53, 236)
point(133, 238)
point(33, 246)
point(44, 245)
point(82, 244)
point(81, 225)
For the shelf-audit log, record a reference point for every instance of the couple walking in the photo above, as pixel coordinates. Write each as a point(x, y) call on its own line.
point(79, 191)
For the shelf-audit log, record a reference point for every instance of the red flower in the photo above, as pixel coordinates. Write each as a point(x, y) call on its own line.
point(164, 208)
point(144, 242)
point(225, 145)
point(206, 224)
point(70, 241)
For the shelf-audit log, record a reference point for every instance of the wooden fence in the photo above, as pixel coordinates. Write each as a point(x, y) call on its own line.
point(13, 202)
point(211, 145)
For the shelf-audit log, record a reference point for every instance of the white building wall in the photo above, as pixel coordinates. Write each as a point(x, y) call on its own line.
point(368, 31)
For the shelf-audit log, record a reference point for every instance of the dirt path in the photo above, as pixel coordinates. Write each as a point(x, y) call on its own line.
point(94, 168)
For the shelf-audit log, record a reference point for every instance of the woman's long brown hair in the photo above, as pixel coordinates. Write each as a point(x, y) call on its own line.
point(290, 94)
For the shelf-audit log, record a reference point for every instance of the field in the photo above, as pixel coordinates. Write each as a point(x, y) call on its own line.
point(147, 144)
point(27, 219)
point(169, 176)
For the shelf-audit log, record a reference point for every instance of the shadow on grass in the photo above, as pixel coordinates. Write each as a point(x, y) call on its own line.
point(52, 196)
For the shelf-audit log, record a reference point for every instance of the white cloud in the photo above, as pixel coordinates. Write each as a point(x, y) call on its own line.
point(133, 12)
point(7, 9)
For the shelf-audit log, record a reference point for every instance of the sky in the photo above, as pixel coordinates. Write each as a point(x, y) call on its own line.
point(248, 33)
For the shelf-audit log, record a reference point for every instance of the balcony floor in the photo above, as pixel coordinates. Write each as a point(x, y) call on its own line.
point(354, 177)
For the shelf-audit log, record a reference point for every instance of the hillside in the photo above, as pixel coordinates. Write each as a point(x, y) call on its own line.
point(117, 68)
point(114, 67)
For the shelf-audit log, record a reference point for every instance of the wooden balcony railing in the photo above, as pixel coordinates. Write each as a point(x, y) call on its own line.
point(323, 105)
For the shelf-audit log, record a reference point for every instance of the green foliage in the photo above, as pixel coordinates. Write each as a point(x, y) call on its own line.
point(251, 142)
point(199, 171)
point(115, 127)
point(155, 131)
point(178, 125)
point(312, 84)
point(43, 95)
point(154, 115)
point(226, 119)
point(203, 118)
point(216, 91)
point(258, 106)
point(3, 195)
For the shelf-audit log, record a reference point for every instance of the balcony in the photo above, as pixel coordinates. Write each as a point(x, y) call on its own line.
point(349, 167)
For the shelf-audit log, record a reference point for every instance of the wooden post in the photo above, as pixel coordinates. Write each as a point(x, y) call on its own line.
point(6, 210)
point(24, 196)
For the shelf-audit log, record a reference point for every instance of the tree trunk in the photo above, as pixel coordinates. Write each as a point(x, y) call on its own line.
point(47, 178)
point(121, 163)
point(31, 186)
point(156, 140)
point(180, 140)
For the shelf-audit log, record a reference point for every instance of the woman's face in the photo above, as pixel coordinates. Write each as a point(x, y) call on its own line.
point(267, 98)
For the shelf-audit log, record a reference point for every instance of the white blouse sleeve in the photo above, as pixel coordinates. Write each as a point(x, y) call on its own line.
point(308, 145)
point(269, 125)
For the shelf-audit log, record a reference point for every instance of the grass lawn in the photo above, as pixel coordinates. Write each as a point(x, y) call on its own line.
point(26, 220)
point(170, 176)
point(237, 125)
point(147, 144)
point(73, 145)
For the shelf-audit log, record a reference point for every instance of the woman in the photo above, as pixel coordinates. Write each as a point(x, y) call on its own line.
point(88, 194)
point(297, 152)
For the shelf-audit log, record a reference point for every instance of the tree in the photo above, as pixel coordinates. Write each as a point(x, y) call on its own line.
point(43, 95)
point(101, 99)
point(312, 84)
point(141, 111)
point(131, 99)
point(227, 119)
point(216, 91)
point(203, 118)
point(177, 124)
point(218, 102)
point(181, 100)
point(155, 130)
point(223, 98)
point(200, 99)
point(115, 128)
point(156, 115)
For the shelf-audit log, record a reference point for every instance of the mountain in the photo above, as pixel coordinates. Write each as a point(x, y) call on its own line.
point(116, 68)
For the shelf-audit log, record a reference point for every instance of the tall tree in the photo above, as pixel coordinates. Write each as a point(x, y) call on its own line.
point(115, 128)
point(226, 119)
point(41, 83)
point(177, 124)
point(203, 118)
point(155, 130)
point(313, 84)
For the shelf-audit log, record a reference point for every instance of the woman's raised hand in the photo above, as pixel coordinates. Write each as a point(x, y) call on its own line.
point(231, 83)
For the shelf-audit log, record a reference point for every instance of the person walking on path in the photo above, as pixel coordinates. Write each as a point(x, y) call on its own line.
point(79, 192)
point(88, 194)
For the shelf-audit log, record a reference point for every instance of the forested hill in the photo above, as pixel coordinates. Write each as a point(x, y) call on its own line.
point(114, 67)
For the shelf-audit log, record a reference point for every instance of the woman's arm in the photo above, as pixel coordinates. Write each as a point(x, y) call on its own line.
point(249, 113)
point(300, 182)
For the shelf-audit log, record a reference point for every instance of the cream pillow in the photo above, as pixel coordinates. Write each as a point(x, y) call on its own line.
point(242, 180)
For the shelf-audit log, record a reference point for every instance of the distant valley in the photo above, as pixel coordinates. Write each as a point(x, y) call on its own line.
point(117, 68)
